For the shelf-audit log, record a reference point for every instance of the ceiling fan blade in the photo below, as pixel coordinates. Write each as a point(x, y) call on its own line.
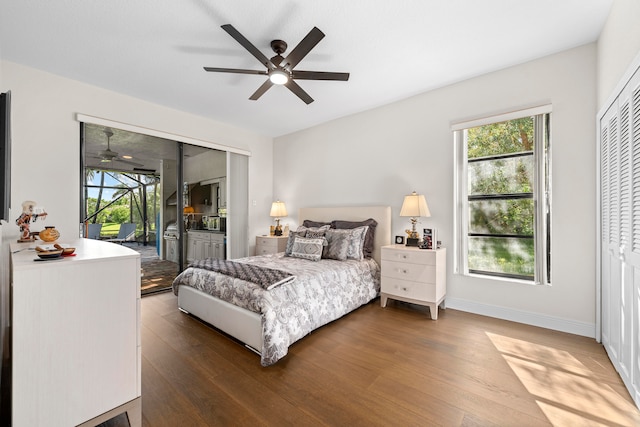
point(145, 170)
point(129, 162)
point(319, 75)
point(293, 87)
point(234, 70)
point(302, 49)
point(249, 46)
point(261, 90)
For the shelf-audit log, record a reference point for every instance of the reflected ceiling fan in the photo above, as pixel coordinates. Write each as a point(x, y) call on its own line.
point(108, 155)
point(280, 70)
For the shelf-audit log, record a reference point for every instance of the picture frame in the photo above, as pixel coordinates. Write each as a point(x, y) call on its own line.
point(429, 238)
point(399, 240)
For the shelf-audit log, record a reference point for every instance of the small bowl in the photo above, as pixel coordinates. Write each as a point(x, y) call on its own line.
point(68, 251)
point(49, 254)
point(65, 249)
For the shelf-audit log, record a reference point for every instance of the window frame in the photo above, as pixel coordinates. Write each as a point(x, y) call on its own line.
point(541, 194)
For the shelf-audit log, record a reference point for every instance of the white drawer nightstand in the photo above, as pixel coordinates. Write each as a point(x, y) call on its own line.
point(414, 275)
point(270, 244)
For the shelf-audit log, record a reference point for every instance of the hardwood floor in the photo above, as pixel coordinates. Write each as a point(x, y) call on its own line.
point(391, 366)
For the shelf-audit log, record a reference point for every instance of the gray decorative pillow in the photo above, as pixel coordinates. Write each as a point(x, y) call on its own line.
point(337, 245)
point(313, 234)
point(304, 248)
point(311, 224)
point(353, 239)
point(303, 229)
point(369, 237)
point(290, 241)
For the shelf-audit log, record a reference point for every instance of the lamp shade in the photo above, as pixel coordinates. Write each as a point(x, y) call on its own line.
point(415, 205)
point(278, 209)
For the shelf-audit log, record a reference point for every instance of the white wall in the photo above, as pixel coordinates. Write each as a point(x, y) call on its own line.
point(45, 142)
point(378, 156)
point(618, 45)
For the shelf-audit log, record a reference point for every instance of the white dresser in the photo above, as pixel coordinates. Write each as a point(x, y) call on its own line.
point(414, 275)
point(75, 335)
point(270, 244)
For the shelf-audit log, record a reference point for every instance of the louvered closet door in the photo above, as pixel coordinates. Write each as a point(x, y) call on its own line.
point(620, 203)
point(611, 267)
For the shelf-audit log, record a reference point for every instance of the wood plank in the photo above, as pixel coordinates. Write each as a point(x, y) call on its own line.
point(375, 366)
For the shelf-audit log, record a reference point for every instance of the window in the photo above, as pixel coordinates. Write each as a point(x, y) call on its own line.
point(503, 196)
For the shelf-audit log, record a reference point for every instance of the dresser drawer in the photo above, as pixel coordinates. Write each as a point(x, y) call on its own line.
point(270, 245)
point(406, 271)
point(407, 289)
point(413, 256)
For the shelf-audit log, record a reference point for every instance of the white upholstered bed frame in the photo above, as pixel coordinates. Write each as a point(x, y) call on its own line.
point(245, 325)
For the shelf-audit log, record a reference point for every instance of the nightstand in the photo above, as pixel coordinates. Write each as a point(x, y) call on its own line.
point(270, 244)
point(414, 275)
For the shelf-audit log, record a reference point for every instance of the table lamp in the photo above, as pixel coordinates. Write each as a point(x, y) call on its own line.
point(414, 206)
point(278, 210)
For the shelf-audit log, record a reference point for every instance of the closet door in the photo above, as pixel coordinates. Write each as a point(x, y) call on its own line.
point(631, 286)
point(609, 244)
point(620, 240)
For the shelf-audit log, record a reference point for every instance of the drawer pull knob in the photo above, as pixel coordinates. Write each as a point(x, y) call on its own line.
point(404, 289)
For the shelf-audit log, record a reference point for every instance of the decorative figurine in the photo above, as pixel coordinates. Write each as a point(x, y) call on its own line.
point(412, 236)
point(26, 218)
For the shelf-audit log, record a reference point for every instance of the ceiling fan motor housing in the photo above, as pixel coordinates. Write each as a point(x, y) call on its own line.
point(279, 46)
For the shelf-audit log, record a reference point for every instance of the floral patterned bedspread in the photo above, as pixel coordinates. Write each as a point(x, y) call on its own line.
point(323, 291)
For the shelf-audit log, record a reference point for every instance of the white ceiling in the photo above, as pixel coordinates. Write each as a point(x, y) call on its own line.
point(155, 49)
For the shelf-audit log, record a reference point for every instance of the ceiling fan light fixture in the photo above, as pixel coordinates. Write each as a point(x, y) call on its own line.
point(278, 77)
point(280, 70)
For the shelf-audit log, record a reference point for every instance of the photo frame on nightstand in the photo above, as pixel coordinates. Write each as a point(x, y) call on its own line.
point(399, 240)
point(429, 238)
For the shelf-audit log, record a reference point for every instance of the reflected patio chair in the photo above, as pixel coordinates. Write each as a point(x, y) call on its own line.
point(93, 231)
point(127, 233)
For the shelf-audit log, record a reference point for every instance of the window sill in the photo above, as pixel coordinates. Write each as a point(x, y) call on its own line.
point(501, 279)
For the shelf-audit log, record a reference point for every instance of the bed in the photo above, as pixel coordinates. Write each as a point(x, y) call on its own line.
point(269, 321)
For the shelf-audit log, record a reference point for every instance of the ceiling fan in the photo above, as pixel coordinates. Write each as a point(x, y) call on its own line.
point(108, 155)
point(280, 70)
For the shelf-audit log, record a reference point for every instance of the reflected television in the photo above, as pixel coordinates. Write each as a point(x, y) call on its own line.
point(5, 154)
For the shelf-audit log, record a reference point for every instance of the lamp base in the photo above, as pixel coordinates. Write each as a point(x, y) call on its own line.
point(412, 242)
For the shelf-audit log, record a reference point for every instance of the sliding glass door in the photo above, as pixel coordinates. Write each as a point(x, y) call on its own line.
point(176, 194)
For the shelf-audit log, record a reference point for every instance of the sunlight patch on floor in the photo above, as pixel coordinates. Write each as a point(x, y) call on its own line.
point(567, 391)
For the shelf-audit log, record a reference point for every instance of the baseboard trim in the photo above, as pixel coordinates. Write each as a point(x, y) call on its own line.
point(528, 318)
